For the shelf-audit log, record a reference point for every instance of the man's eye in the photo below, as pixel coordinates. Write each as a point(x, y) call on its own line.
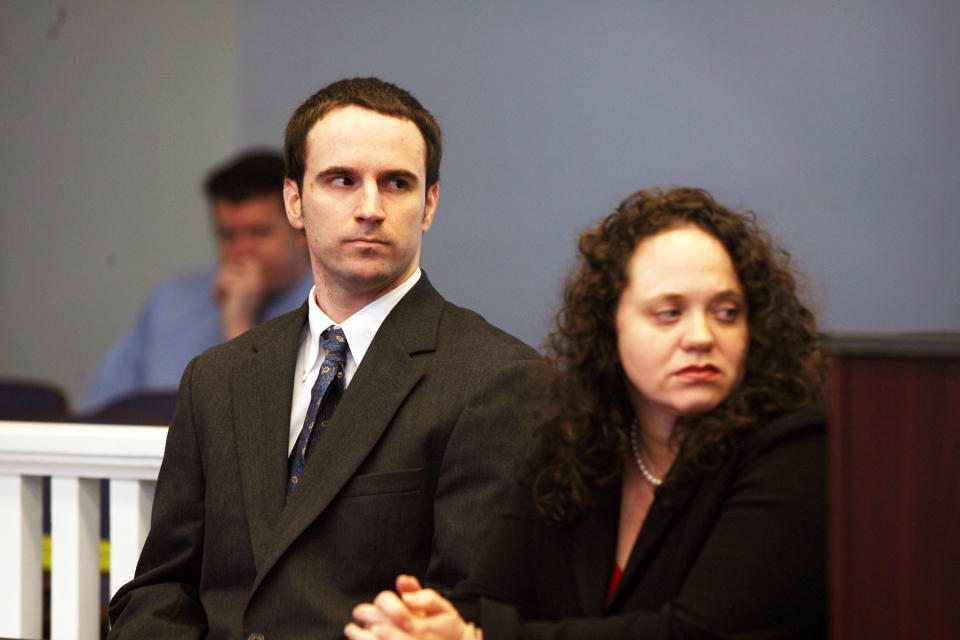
point(398, 184)
point(341, 181)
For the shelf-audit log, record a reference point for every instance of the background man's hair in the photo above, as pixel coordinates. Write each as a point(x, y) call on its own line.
point(252, 174)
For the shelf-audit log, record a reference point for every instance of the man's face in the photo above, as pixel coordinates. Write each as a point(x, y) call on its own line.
point(364, 202)
point(257, 229)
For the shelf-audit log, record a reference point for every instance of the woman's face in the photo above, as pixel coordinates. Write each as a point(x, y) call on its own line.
point(681, 325)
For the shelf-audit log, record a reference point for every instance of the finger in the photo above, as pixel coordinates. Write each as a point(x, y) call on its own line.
point(225, 280)
point(386, 631)
point(407, 583)
point(231, 267)
point(248, 262)
point(394, 609)
point(427, 601)
point(368, 614)
point(248, 267)
point(356, 632)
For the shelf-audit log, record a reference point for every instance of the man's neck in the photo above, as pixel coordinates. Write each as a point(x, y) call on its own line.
point(339, 303)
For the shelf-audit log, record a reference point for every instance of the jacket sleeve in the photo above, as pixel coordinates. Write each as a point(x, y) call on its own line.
point(162, 601)
point(484, 451)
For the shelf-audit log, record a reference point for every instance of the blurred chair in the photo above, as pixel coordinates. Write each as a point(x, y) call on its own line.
point(146, 408)
point(29, 400)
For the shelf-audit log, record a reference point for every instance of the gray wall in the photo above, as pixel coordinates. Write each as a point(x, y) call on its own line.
point(110, 111)
point(837, 122)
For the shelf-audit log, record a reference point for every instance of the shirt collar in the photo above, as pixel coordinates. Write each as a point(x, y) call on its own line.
point(359, 329)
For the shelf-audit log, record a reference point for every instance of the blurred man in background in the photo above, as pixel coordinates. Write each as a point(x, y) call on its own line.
point(264, 271)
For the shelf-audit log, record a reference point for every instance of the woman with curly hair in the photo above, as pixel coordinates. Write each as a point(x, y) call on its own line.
point(679, 487)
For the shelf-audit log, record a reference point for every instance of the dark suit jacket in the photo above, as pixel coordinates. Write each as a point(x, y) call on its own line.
point(413, 466)
point(742, 557)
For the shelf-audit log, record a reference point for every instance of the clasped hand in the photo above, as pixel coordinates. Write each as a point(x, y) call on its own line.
point(412, 613)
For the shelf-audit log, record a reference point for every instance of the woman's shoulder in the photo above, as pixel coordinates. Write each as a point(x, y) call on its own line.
point(802, 430)
point(808, 420)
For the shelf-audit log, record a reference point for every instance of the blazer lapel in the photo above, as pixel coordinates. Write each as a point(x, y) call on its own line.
point(262, 398)
point(655, 526)
point(595, 544)
point(379, 387)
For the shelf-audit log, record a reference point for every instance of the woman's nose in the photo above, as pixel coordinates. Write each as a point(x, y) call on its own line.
point(698, 335)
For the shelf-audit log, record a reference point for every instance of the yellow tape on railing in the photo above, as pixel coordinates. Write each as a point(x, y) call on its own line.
point(104, 555)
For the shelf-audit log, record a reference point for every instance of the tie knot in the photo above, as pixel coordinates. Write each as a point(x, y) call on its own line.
point(334, 346)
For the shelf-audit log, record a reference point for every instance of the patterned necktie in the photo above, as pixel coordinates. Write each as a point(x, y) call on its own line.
point(323, 400)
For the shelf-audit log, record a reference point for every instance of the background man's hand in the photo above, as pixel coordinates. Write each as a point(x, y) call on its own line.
point(239, 289)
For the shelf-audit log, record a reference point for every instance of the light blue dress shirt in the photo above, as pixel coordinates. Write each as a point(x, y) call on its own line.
point(178, 321)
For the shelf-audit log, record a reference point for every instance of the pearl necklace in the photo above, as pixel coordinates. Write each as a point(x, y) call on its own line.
point(652, 479)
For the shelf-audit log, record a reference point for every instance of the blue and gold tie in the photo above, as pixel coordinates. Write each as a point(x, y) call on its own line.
point(323, 400)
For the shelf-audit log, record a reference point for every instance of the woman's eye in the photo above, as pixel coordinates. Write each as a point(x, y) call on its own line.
point(666, 315)
point(728, 314)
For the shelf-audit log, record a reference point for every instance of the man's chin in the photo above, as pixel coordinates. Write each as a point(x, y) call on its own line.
point(368, 281)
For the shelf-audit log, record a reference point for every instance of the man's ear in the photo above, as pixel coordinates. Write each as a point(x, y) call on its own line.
point(430, 206)
point(292, 203)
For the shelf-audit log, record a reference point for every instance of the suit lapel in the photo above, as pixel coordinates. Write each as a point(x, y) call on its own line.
point(262, 397)
point(378, 389)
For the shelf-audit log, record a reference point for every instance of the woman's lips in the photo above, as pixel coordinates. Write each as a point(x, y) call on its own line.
point(698, 373)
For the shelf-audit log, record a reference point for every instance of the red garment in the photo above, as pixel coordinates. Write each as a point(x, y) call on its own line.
point(614, 581)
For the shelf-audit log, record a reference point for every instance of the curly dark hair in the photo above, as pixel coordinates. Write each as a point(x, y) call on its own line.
point(586, 434)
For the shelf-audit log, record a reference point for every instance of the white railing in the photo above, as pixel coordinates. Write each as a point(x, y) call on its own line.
point(75, 457)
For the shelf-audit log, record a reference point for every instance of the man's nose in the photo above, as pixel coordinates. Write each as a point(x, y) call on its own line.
point(241, 246)
point(370, 206)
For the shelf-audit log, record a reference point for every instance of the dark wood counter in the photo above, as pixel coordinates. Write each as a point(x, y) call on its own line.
point(894, 486)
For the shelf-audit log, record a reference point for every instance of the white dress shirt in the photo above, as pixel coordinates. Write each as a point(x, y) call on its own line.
point(359, 329)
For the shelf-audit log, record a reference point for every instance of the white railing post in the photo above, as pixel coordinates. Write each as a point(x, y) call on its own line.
point(21, 549)
point(130, 504)
point(75, 456)
point(74, 562)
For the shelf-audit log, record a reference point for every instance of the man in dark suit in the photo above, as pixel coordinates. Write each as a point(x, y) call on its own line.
point(370, 433)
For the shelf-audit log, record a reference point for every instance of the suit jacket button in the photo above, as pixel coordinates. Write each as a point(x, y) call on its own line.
point(255, 636)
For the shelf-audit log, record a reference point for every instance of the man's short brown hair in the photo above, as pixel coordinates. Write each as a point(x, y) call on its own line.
point(368, 93)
